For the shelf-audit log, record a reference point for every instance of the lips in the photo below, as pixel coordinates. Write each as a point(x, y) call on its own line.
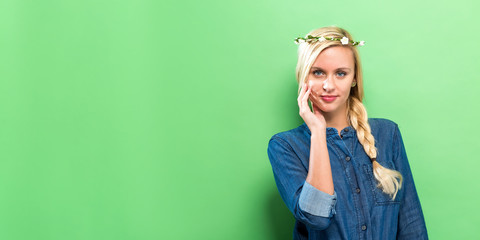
point(328, 98)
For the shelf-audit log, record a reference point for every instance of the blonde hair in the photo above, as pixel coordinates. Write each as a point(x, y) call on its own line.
point(390, 181)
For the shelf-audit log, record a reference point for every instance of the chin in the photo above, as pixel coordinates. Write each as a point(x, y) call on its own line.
point(327, 108)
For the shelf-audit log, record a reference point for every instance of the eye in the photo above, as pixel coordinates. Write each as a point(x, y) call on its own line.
point(342, 74)
point(317, 72)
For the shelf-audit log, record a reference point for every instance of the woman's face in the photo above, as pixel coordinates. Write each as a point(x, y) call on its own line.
point(331, 78)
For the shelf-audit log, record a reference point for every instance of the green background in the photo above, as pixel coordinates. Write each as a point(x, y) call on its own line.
point(136, 119)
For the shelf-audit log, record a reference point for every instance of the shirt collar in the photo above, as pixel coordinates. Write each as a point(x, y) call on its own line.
point(331, 132)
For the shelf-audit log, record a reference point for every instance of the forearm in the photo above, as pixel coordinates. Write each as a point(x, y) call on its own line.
point(309, 205)
point(320, 172)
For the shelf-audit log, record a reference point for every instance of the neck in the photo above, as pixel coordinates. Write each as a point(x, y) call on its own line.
point(337, 119)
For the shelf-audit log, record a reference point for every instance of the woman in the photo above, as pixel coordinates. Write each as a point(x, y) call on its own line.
point(341, 174)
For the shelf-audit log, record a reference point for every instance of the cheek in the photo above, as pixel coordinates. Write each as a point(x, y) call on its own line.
point(317, 86)
point(344, 84)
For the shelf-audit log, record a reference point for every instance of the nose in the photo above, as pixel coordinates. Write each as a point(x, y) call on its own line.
point(328, 84)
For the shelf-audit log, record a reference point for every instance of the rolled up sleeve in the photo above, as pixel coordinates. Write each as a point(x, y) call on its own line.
point(317, 202)
point(307, 204)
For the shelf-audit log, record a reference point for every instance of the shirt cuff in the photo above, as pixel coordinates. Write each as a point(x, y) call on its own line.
point(317, 202)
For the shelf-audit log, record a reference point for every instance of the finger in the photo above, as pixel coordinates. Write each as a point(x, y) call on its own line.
point(314, 98)
point(304, 103)
point(302, 92)
point(317, 111)
point(301, 102)
point(306, 95)
point(303, 88)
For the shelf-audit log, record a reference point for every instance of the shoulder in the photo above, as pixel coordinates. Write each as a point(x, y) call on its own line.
point(291, 146)
point(292, 138)
point(381, 123)
point(295, 133)
point(382, 128)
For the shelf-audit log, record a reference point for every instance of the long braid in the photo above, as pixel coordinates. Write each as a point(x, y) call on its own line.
point(390, 181)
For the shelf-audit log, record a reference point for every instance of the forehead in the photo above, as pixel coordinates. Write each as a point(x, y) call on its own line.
point(335, 57)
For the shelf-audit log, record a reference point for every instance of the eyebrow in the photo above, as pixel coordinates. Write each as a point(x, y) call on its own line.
point(342, 68)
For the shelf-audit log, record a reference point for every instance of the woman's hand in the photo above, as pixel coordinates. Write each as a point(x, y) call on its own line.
point(314, 120)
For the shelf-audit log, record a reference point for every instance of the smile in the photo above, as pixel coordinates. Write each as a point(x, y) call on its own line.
point(328, 98)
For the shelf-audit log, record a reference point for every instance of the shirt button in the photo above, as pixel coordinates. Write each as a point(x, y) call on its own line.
point(347, 158)
point(358, 190)
point(346, 129)
point(364, 227)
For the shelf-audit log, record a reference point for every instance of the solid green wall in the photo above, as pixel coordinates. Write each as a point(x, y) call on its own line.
point(136, 119)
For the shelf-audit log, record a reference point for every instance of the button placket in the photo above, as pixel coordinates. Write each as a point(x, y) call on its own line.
point(344, 148)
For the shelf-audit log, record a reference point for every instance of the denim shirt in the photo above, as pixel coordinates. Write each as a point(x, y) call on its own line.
point(357, 209)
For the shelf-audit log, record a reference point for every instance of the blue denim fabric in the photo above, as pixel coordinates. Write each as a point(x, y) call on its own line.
point(357, 209)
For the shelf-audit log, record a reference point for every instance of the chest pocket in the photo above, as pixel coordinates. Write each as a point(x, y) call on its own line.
point(378, 195)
